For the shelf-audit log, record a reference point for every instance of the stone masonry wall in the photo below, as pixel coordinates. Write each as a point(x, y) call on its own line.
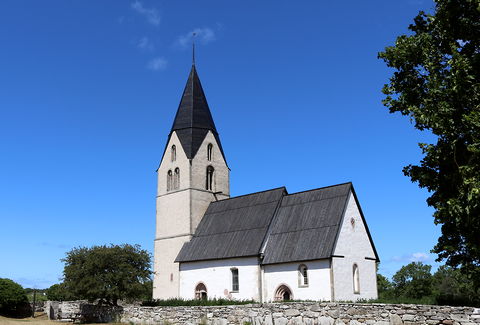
point(82, 311)
point(305, 313)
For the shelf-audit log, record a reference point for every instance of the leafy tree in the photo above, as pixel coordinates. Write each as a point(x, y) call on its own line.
point(413, 280)
point(147, 291)
point(107, 273)
point(451, 287)
point(437, 85)
point(13, 300)
point(59, 292)
point(384, 286)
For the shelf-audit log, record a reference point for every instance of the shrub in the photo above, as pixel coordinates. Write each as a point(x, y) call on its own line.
point(13, 300)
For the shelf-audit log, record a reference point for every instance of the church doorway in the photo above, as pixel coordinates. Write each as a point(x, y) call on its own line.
point(283, 293)
point(201, 291)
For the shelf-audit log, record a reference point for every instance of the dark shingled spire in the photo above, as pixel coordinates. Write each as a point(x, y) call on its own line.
point(193, 119)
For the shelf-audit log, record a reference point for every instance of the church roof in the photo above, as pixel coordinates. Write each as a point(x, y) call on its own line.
point(280, 226)
point(306, 225)
point(234, 227)
point(194, 119)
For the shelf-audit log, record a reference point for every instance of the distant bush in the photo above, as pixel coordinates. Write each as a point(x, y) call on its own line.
point(59, 292)
point(13, 300)
point(196, 302)
point(414, 284)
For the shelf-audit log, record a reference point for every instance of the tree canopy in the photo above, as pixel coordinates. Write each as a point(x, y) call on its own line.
point(414, 283)
point(107, 273)
point(413, 280)
point(437, 84)
point(59, 292)
point(13, 300)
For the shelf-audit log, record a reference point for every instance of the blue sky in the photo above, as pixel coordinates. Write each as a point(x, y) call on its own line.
point(89, 90)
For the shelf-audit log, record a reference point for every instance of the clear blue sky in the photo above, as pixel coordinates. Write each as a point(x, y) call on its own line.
point(89, 90)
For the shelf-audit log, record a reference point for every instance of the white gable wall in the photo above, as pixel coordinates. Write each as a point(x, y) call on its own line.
point(217, 277)
point(354, 245)
point(287, 274)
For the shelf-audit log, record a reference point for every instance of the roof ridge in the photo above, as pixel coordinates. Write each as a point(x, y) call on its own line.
point(273, 189)
point(320, 188)
point(328, 198)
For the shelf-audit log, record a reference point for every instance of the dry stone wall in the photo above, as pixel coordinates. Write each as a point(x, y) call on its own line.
point(304, 314)
point(81, 311)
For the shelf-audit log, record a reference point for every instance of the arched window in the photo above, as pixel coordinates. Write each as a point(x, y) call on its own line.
point(176, 179)
point(201, 291)
point(209, 178)
point(169, 180)
point(302, 276)
point(356, 279)
point(283, 293)
point(209, 151)
point(235, 285)
point(174, 153)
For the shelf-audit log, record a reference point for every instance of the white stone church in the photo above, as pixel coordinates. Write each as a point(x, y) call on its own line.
point(266, 246)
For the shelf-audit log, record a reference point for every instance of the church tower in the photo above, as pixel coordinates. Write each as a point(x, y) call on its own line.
point(193, 172)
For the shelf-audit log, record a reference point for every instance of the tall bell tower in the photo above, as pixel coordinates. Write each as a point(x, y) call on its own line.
point(193, 172)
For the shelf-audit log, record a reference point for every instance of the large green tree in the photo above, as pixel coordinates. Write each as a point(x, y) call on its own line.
point(451, 287)
point(413, 280)
point(437, 84)
point(13, 299)
point(107, 273)
point(59, 292)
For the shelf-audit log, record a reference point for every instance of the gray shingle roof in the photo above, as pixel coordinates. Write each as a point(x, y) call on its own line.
point(283, 227)
point(232, 228)
point(193, 119)
point(306, 225)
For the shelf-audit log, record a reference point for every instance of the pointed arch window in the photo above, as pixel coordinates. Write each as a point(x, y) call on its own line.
point(303, 275)
point(169, 180)
point(209, 178)
point(209, 152)
point(174, 153)
point(356, 279)
point(176, 179)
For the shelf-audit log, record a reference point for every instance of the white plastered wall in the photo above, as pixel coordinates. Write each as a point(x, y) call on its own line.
point(287, 274)
point(353, 247)
point(217, 277)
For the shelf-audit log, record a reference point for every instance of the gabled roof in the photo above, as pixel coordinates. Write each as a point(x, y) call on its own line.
point(280, 226)
point(193, 119)
point(306, 225)
point(234, 227)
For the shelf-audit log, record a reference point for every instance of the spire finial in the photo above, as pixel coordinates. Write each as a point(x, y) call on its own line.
point(193, 47)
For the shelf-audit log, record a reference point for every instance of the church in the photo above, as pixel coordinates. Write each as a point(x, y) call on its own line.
point(266, 246)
